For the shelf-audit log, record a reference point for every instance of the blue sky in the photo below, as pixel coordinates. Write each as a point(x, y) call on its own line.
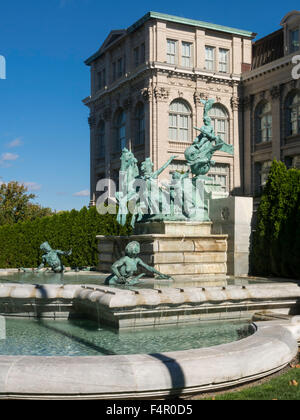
point(44, 134)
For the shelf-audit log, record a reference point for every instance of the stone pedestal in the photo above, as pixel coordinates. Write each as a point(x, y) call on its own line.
point(233, 216)
point(174, 248)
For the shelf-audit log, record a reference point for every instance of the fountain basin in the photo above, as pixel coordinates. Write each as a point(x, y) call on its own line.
point(163, 373)
point(134, 308)
point(160, 375)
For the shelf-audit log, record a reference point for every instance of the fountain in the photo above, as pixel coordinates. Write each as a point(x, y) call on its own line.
point(75, 335)
point(172, 222)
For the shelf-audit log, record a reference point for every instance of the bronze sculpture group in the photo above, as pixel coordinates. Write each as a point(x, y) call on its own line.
point(180, 199)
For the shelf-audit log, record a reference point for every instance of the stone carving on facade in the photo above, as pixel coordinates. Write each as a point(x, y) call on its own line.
point(198, 96)
point(235, 103)
point(293, 84)
point(275, 92)
point(161, 93)
point(92, 121)
point(225, 213)
point(262, 94)
point(146, 94)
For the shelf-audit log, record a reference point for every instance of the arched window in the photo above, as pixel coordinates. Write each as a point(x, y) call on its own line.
point(100, 141)
point(180, 121)
point(120, 126)
point(220, 121)
point(293, 114)
point(263, 122)
point(140, 124)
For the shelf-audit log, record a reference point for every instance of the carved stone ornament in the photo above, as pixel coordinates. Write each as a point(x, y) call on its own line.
point(235, 102)
point(161, 93)
point(92, 121)
point(225, 213)
point(146, 94)
point(198, 96)
point(275, 92)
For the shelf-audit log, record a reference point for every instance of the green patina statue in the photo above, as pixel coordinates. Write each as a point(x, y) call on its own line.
point(186, 196)
point(52, 258)
point(124, 270)
point(199, 155)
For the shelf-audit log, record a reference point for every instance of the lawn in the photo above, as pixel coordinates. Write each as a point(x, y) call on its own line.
point(283, 387)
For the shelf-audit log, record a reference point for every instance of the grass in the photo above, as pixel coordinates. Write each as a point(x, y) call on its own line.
point(284, 387)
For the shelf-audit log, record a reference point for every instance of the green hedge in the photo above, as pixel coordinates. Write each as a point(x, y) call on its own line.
point(276, 240)
point(20, 243)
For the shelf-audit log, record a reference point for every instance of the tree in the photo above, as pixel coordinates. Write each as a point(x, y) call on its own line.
point(16, 205)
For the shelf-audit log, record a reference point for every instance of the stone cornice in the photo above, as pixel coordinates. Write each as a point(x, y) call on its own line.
point(155, 68)
point(268, 68)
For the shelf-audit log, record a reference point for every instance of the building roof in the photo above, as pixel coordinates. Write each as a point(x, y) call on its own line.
point(177, 19)
point(268, 49)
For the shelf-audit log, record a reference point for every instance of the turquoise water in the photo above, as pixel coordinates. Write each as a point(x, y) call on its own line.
point(52, 278)
point(85, 338)
point(95, 278)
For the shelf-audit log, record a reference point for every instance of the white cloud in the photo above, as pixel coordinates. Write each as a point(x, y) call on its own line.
point(32, 186)
point(84, 193)
point(8, 157)
point(15, 143)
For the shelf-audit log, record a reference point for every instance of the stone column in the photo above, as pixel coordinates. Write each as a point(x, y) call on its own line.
point(200, 49)
point(160, 126)
point(147, 96)
point(236, 55)
point(237, 143)
point(247, 146)
point(127, 107)
point(276, 122)
point(93, 180)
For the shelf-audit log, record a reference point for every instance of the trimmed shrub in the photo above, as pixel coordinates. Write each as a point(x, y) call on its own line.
point(76, 230)
point(276, 242)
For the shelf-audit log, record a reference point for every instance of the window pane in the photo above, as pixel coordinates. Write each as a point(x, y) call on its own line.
point(220, 121)
point(186, 54)
point(171, 51)
point(209, 58)
point(223, 60)
point(179, 121)
point(294, 37)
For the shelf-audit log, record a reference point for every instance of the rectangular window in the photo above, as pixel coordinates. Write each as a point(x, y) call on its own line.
point(220, 174)
point(99, 84)
point(210, 58)
point(186, 54)
point(294, 40)
point(223, 60)
point(143, 53)
point(171, 51)
point(120, 69)
point(101, 79)
point(172, 127)
point(136, 55)
point(183, 128)
point(114, 71)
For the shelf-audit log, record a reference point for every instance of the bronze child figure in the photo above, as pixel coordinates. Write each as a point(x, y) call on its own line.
point(52, 257)
point(125, 268)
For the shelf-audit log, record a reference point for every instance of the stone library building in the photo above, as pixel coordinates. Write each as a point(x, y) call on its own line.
point(147, 83)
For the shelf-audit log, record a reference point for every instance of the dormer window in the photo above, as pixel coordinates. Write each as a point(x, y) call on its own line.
point(294, 40)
